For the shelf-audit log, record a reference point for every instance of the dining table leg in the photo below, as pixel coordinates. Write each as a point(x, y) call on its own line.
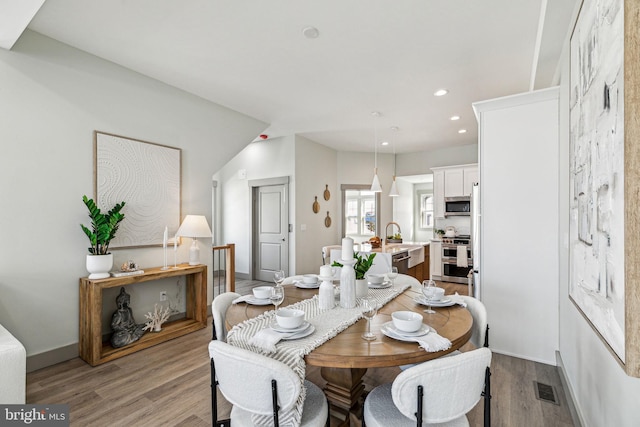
point(345, 391)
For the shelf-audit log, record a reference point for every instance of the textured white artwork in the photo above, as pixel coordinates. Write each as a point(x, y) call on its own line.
point(597, 170)
point(147, 177)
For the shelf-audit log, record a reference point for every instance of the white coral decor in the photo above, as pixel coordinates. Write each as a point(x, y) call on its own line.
point(157, 318)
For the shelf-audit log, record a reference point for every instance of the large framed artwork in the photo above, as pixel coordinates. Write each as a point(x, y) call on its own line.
point(604, 175)
point(147, 176)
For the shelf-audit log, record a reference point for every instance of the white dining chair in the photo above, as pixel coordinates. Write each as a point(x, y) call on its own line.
point(439, 392)
point(480, 330)
point(257, 385)
point(326, 253)
point(219, 307)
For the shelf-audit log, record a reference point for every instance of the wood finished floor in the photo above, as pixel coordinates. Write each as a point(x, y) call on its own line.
point(168, 385)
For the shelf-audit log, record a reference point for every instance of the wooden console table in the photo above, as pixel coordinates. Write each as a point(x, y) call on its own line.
point(91, 347)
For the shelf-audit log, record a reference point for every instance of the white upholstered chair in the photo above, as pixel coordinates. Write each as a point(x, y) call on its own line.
point(260, 385)
point(480, 330)
point(326, 253)
point(219, 307)
point(439, 392)
point(13, 369)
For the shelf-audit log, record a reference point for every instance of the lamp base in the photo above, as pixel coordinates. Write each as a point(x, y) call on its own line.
point(194, 253)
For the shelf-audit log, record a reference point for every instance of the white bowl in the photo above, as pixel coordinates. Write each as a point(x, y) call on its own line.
point(375, 279)
point(262, 292)
point(406, 321)
point(310, 278)
point(289, 318)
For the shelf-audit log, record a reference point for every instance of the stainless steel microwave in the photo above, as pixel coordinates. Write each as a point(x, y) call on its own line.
point(457, 206)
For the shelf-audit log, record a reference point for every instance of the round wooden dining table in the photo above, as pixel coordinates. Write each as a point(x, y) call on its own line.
point(344, 359)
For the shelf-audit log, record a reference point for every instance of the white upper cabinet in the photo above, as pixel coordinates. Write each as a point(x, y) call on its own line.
point(470, 177)
point(452, 181)
point(438, 193)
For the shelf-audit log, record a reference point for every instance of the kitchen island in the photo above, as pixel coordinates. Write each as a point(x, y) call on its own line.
point(411, 258)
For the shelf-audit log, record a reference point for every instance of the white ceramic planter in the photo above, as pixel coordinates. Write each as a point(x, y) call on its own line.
point(99, 266)
point(362, 288)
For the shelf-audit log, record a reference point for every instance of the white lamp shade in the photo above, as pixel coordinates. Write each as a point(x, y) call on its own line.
point(394, 189)
point(375, 185)
point(194, 226)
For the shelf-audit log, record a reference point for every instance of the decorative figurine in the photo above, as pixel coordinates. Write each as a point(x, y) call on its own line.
point(125, 329)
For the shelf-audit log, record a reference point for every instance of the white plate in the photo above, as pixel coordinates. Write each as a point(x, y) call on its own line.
point(305, 333)
point(424, 330)
point(258, 301)
point(447, 302)
point(274, 325)
point(389, 330)
point(300, 284)
point(383, 285)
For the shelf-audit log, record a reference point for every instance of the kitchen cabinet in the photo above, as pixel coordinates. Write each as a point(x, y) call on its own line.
point(438, 193)
point(435, 259)
point(458, 181)
point(452, 181)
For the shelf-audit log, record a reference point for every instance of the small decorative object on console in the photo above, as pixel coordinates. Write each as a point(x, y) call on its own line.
point(157, 318)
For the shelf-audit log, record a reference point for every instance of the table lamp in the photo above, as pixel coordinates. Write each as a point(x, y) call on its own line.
point(194, 226)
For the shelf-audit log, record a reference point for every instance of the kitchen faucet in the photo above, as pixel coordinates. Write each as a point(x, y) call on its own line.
point(386, 231)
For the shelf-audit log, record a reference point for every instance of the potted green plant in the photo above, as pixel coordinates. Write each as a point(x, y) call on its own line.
point(103, 230)
point(362, 264)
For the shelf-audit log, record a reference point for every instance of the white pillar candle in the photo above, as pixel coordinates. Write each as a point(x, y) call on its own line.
point(347, 248)
point(165, 237)
point(325, 271)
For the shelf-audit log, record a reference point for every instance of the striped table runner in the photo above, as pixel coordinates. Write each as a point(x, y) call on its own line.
point(327, 323)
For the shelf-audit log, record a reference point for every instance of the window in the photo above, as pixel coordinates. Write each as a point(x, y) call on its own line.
point(360, 212)
point(426, 210)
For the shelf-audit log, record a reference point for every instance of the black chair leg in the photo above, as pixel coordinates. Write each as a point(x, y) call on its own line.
point(486, 337)
point(214, 401)
point(274, 401)
point(487, 397)
point(419, 411)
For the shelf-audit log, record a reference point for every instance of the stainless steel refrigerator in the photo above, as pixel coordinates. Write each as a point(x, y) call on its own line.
point(475, 240)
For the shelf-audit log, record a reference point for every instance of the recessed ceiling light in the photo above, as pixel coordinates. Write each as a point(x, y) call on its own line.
point(462, 131)
point(441, 92)
point(385, 143)
point(310, 32)
point(455, 118)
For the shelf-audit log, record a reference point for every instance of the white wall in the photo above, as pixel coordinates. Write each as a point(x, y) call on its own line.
point(52, 99)
point(422, 162)
point(316, 166)
point(604, 395)
point(403, 210)
point(273, 158)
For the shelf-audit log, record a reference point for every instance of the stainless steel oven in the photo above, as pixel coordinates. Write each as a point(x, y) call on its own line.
point(451, 272)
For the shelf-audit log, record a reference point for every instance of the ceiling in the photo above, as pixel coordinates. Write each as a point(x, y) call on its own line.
point(388, 56)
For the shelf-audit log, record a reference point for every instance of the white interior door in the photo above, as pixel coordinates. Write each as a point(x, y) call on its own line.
point(271, 231)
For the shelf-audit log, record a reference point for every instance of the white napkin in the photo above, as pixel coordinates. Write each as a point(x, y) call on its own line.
point(433, 342)
point(267, 338)
point(456, 299)
point(243, 298)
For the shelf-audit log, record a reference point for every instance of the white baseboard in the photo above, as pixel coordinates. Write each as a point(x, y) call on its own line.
point(576, 415)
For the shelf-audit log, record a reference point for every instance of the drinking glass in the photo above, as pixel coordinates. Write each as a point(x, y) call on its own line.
point(369, 310)
point(428, 290)
point(278, 277)
point(277, 295)
point(393, 274)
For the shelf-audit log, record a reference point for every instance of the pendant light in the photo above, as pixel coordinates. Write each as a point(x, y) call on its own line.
point(375, 185)
point(394, 188)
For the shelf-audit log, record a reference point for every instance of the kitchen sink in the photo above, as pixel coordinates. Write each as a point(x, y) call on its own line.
point(416, 256)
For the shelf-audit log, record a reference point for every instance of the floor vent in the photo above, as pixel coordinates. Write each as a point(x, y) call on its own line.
point(546, 393)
